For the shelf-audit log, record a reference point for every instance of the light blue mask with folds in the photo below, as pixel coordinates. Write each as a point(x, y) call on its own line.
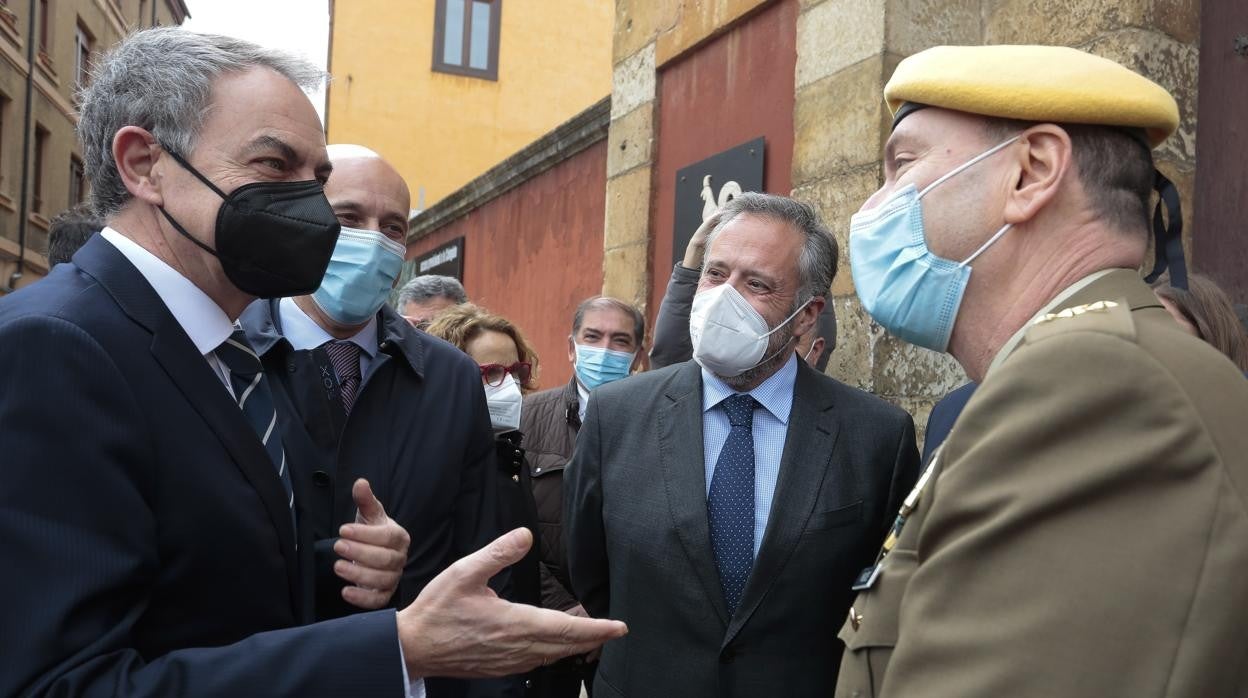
point(910, 291)
point(597, 365)
point(361, 272)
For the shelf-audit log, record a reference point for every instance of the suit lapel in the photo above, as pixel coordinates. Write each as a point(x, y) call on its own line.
point(812, 432)
point(187, 368)
point(684, 477)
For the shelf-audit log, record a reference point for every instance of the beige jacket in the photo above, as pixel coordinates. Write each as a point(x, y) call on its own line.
point(1085, 532)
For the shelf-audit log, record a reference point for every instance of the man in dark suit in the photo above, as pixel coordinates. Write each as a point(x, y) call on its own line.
point(362, 394)
point(723, 507)
point(152, 550)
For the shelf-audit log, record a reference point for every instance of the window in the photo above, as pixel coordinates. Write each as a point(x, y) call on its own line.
point(45, 32)
point(41, 142)
point(77, 181)
point(4, 115)
point(465, 37)
point(82, 56)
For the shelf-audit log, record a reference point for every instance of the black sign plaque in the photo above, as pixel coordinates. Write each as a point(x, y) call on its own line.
point(706, 185)
point(445, 260)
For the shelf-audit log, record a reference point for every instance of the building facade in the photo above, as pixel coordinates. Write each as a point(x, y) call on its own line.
point(446, 89)
point(525, 237)
point(46, 48)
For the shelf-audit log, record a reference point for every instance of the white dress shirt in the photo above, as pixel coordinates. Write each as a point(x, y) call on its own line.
point(303, 333)
point(771, 426)
point(199, 316)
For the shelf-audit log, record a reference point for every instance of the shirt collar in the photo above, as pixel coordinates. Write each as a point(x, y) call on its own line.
point(1012, 343)
point(200, 317)
point(582, 398)
point(303, 333)
point(775, 394)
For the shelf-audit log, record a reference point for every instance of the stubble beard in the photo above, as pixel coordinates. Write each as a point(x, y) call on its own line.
point(751, 378)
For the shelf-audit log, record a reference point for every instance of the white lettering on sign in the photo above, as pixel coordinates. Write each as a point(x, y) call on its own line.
point(728, 192)
point(450, 254)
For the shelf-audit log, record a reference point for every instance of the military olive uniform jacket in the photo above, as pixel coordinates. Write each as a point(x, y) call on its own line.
point(1085, 532)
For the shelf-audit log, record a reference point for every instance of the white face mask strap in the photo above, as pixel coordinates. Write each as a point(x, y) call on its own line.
point(800, 308)
point(968, 163)
point(984, 247)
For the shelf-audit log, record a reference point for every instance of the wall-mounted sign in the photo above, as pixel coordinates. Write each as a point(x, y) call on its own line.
point(445, 260)
point(706, 185)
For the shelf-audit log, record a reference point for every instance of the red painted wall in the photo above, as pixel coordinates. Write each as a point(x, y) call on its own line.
point(534, 253)
point(731, 90)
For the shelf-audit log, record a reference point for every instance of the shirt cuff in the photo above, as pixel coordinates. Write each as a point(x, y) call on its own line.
point(415, 687)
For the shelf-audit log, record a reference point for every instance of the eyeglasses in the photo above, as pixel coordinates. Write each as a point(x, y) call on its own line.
point(494, 374)
point(417, 323)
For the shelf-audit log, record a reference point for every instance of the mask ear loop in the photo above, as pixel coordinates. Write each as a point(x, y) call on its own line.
point(957, 170)
point(784, 322)
point(984, 247)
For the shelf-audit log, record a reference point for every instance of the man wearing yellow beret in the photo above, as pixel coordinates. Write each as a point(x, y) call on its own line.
point(1084, 529)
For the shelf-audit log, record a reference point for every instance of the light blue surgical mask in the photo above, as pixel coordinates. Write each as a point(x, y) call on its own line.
point(597, 365)
point(360, 274)
point(910, 291)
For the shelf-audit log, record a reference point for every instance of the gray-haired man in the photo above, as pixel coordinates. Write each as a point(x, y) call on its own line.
point(154, 553)
point(422, 298)
point(723, 506)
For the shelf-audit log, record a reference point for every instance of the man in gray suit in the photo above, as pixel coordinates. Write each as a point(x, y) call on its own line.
point(723, 507)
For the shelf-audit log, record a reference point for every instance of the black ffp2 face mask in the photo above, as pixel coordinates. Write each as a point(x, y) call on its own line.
point(274, 239)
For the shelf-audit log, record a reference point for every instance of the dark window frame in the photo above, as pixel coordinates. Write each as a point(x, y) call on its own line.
point(77, 181)
point(84, 50)
point(45, 31)
point(4, 117)
point(40, 159)
point(439, 38)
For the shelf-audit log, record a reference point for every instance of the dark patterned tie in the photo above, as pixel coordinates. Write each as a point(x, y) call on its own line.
point(730, 506)
point(252, 393)
point(346, 359)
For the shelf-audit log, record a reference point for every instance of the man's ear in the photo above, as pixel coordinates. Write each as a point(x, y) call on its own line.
point(808, 317)
point(136, 153)
point(1043, 164)
point(571, 350)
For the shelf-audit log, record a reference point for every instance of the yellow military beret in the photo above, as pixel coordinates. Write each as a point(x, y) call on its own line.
point(1034, 83)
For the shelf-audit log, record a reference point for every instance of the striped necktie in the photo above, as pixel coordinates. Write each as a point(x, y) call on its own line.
point(345, 355)
point(255, 399)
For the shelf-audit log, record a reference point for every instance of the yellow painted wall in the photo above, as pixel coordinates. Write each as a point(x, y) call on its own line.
point(443, 130)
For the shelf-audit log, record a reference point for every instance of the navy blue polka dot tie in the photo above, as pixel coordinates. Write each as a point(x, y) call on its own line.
point(730, 506)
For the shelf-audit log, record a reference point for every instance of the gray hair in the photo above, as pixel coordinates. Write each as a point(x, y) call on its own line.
point(425, 287)
point(816, 265)
point(161, 80)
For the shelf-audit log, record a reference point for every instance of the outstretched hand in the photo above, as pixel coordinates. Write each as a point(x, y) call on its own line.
point(459, 627)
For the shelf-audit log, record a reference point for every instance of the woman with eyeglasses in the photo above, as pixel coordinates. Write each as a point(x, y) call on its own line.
point(508, 371)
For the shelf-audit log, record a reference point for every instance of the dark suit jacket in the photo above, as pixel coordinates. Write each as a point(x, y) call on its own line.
point(639, 544)
point(943, 415)
point(146, 537)
point(419, 431)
